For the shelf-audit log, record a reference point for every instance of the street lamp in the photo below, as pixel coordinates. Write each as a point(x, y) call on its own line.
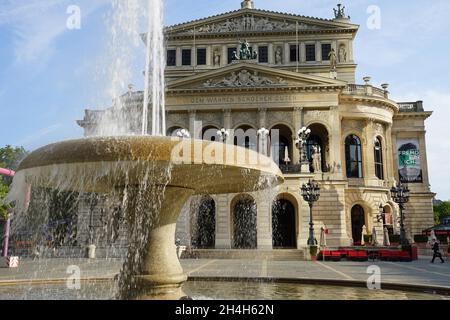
point(183, 133)
point(263, 133)
point(400, 195)
point(223, 134)
point(311, 194)
point(381, 214)
point(303, 135)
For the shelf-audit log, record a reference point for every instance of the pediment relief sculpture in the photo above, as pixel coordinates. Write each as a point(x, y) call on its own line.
point(245, 78)
point(251, 23)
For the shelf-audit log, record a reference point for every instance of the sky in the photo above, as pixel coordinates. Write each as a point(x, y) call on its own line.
point(51, 70)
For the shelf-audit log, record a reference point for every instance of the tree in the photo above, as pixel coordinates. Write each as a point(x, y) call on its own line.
point(4, 209)
point(441, 211)
point(10, 159)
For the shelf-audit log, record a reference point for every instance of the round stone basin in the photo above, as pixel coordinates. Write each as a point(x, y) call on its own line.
point(156, 176)
point(218, 290)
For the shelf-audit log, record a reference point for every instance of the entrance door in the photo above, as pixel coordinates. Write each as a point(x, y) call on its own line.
point(358, 221)
point(244, 223)
point(206, 224)
point(283, 225)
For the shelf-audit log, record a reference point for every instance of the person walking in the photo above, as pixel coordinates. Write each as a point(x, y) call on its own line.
point(436, 252)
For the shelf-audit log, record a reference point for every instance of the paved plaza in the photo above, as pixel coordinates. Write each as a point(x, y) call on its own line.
point(417, 273)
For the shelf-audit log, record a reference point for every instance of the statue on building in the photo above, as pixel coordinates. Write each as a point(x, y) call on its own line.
point(216, 58)
point(317, 159)
point(339, 13)
point(342, 54)
point(333, 59)
point(247, 4)
point(245, 52)
point(278, 56)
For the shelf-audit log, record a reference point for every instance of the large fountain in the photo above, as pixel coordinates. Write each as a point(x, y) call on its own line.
point(152, 175)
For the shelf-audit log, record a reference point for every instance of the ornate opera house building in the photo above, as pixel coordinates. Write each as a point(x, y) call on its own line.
point(254, 69)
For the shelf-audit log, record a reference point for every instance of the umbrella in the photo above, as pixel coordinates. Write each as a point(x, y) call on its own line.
point(374, 237)
point(286, 155)
point(364, 233)
point(323, 238)
point(386, 241)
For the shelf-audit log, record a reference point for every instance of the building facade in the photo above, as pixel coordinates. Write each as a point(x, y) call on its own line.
point(302, 74)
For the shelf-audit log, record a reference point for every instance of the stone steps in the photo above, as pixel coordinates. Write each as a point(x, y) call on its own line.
point(276, 255)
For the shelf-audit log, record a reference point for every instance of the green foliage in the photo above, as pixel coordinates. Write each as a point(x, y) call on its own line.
point(419, 238)
point(9, 159)
point(441, 211)
point(368, 238)
point(4, 209)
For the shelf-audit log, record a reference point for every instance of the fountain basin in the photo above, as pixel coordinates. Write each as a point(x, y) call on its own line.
point(155, 177)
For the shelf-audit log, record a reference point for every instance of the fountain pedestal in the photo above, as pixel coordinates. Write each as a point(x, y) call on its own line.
point(162, 275)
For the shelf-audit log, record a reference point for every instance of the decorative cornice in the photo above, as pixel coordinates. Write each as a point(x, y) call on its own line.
point(392, 105)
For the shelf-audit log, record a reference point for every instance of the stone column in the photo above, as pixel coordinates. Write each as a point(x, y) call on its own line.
point(223, 222)
point(286, 51)
point(334, 141)
point(192, 125)
point(368, 154)
point(389, 154)
point(227, 119)
point(178, 58)
point(302, 52)
point(298, 124)
point(318, 51)
point(262, 117)
point(224, 58)
point(209, 57)
point(271, 50)
point(424, 160)
point(264, 225)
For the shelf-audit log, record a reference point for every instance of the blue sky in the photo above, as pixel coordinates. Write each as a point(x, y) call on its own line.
point(50, 74)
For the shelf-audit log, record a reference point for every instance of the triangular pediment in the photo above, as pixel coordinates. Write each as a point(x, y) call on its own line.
point(254, 20)
point(244, 75)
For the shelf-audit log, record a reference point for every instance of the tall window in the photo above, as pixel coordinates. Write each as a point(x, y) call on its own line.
point(353, 157)
point(294, 53)
point(263, 54)
point(186, 57)
point(201, 57)
point(230, 52)
point(171, 58)
point(378, 152)
point(310, 52)
point(326, 49)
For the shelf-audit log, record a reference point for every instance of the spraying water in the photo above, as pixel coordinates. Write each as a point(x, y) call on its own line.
point(154, 71)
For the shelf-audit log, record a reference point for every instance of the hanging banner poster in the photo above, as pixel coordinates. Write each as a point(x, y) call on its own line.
point(409, 167)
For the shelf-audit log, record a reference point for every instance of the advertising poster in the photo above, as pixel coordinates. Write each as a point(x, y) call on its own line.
point(409, 166)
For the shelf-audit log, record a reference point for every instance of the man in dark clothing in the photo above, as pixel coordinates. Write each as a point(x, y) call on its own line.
point(436, 252)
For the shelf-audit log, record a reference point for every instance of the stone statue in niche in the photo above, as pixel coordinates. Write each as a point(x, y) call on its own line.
point(342, 54)
point(216, 58)
point(278, 56)
point(317, 159)
point(333, 59)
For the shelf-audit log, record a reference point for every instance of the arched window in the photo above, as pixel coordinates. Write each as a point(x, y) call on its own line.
point(353, 157)
point(378, 153)
point(246, 137)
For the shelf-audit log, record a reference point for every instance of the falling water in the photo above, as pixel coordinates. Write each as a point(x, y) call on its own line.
point(154, 71)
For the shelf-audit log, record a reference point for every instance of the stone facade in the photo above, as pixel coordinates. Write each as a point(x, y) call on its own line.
point(285, 90)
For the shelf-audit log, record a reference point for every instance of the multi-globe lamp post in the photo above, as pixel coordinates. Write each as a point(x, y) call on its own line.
point(263, 134)
point(223, 135)
point(183, 133)
point(303, 135)
point(311, 194)
point(400, 195)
